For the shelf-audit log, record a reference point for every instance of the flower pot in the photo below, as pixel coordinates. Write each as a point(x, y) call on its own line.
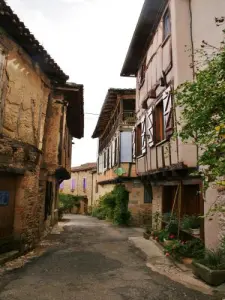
point(195, 231)
point(167, 242)
point(187, 260)
point(212, 277)
point(146, 235)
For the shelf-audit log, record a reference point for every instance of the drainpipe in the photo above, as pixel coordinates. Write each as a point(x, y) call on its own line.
point(92, 185)
point(192, 40)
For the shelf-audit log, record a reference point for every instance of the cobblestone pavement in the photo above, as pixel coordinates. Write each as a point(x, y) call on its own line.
point(88, 260)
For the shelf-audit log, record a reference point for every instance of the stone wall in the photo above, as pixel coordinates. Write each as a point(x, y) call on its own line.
point(28, 114)
point(24, 96)
point(157, 192)
point(79, 191)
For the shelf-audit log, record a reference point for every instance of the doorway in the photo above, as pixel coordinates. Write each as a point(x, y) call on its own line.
point(7, 205)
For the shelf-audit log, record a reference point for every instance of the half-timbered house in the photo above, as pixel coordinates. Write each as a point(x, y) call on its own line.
point(115, 160)
point(161, 56)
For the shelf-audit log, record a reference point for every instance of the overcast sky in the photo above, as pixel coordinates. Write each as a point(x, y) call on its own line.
point(89, 40)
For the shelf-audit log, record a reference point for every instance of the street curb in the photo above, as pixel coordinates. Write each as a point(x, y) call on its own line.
point(8, 256)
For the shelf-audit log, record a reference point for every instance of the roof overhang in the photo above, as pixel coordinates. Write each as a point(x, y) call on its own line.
point(108, 107)
point(144, 32)
point(15, 29)
point(73, 94)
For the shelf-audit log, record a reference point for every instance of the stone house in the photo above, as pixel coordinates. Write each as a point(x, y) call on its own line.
point(39, 114)
point(115, 159)
point(160, 56)
point(82, 183)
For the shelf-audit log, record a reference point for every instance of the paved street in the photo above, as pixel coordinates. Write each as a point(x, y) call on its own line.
point(90, 260)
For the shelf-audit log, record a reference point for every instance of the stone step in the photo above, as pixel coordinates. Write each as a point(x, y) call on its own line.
point(7, 256)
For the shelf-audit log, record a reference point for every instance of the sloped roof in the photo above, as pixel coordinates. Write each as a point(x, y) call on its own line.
point(144, 32)
point(17, 30)
point(84, 167)
point(108, 107)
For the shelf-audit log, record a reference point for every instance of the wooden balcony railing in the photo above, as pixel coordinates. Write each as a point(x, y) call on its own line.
point(127, 118)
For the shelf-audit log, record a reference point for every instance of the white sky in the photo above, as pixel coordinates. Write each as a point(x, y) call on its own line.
point(89, 40)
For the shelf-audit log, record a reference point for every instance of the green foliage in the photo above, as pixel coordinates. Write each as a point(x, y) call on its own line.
point(121, 213)
point(67, 202)
point(114, 206)
point(193, 249)
point(203, 114)
point(191, 222)
point(214, 260)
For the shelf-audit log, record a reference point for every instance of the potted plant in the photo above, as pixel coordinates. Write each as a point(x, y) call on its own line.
point(211, 268)
point(169, 239)
point(192, 224)
point(147, 233)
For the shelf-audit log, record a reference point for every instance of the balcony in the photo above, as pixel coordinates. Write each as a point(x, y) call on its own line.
point(128, 118)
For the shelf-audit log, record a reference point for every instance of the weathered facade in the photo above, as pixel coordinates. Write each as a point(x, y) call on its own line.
point(83, 184)
point(115, 160)
point(161, 56)
point(39, 115)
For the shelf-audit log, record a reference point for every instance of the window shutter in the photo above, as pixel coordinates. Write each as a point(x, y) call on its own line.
point(143, 136)
point(168, 112)
point(150, 127)
point(134, 143)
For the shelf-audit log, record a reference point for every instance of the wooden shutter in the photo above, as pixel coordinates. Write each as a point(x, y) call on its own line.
point(168, 112)
point(150, 115)
point(134, 143)
point(143, 136)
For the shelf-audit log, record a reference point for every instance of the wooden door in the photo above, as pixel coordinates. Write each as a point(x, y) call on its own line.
point(7, 205)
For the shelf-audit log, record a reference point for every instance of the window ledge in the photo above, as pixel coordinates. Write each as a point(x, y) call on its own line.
point(161, 142)
point(140, 156)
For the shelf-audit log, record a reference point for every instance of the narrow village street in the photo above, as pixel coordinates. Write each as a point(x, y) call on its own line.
point(89, 259)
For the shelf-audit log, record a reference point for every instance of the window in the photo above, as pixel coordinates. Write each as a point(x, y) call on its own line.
point(105, 162)
point(148, 194)
point(61, 186)
point(141, 75)
point(138, 140)
point(96, 186)
point(115, 153)
point(73, 184)
point(108, 159)
point(159, 122)
point(84, 184)
point(166, 24)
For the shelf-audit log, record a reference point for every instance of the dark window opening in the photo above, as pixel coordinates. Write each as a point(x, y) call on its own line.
point(166, 25)
point(159, 122)
point(108, 158)
point(104, 160)
point(128, 104)
point(115, 153)
point(138, 140)
point(148, 194)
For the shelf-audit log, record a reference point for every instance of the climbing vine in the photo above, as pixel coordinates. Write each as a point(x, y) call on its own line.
point(203, 113)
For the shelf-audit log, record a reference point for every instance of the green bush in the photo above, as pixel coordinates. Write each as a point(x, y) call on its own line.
point(114, 206)
point(67, 202)
point(121, 213)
